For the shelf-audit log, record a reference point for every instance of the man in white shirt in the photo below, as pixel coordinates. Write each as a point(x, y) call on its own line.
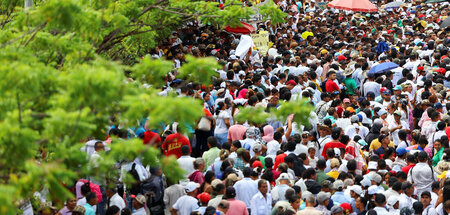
point(380, 202)
point(114, 198)
point(278, 192)
point(187, 203)
point(428, 208)
point(371, 85)
point(273, 146)
point(396, 126)
point(405, 198)
point(186, 162)
point(422, 175)
point(246, 188)
point(139, 205)
point(261, 202)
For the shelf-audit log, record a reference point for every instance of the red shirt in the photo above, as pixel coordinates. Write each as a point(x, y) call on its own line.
point(407, 168)
point(173, 143)
point(151, 137)
point(332, 144)
point(331, 86)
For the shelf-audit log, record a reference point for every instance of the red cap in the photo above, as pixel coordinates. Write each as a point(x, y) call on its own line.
point(441, 70)
point(203, 197)
point(257, 164)
point(383, 89)
point(443, 57)
point(390, 31)
point(341, 57)
point(291, 82)
point(420, 68)
point(346, 207)
point(421, 15)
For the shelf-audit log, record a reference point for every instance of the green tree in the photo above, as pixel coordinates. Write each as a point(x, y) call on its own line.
point(62, 65)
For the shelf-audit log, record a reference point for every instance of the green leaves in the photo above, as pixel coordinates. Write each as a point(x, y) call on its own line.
point(199, 69)
point(152, 71)
point(257, 115)
point(272, 12)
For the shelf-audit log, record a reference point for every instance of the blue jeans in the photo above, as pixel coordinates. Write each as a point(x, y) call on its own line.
point(221, 138)
point(101, 206)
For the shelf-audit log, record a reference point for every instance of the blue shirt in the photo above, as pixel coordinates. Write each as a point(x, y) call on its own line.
point(89, 209)
point(340, 198)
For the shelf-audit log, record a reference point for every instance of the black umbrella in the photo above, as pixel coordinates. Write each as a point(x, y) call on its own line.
point(445, 23)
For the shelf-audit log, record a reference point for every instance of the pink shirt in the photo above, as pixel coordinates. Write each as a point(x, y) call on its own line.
point(197, 177)
point(236, 132)
point(237, 207)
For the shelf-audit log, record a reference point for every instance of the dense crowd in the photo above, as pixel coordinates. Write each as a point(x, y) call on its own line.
point(377, 141)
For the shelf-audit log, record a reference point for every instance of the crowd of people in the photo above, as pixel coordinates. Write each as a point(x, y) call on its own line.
point(377, 142)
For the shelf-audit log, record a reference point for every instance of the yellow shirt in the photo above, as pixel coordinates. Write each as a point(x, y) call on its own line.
point(375, 144)
point(333, 174)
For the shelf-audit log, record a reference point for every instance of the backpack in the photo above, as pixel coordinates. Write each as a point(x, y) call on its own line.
point(94, 188)
point(135, 187)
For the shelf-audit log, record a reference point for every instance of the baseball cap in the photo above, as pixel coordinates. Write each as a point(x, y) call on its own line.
point(392, 200)
point(373, 190)
point(401, 151)
point(438, 105)
point(216, 181)
point(387, 92)
point(191, 186)
point(371, 94)
point(291, 82)
point(204, 197)
point(257, 147)
point(336, 209)
point(398, 87)
point(346, 100)
point(383, 89)
point(328, 184)
point(357, 189)
point(398, 112)
point(140, 199)
point(372, 165)
point(354, 118)
point(341, 57)
point(381, 112)
point(338, 184)
point(323, 196)
point(283, 176)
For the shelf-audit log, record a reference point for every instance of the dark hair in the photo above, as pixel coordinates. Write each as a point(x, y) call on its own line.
point(321, 164)
point(351, 165)
point(309, 173)
point(277, 135)
point(380, 199)
point(237, 144)
point(125, 211)
point(247, 171)
point(85, 189)
point(112, 210)
point(89, 196)
point(212, 141)
point(185, 150)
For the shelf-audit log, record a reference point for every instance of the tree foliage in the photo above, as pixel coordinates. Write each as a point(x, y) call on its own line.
point(62, 65)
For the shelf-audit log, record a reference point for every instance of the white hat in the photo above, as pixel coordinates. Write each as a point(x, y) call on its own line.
point(366, 181)
point(338, 184)
point(373, 190)
point(191, 186)
point(381, 112)
point(283, 176)
point(392, 200)
point(357, 189)
point(372, 165)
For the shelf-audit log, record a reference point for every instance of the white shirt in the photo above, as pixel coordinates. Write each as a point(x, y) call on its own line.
point(300, 148)
point(394, 134)
point(185, 205)
point(372, 86)
point(140, 211)
point(221, 128)
point(117, 201)
point(261, 205)
point(405, 201)
point(272, 148)
point(422, 176)
point(245, 190)
point(186, 163)
point(430, 210)
point(381, 211)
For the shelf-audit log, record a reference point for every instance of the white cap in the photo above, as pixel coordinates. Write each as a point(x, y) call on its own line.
point(191, 186)
point(392, 200)
point(372, 165)
point(357, 189)
point(373, 190)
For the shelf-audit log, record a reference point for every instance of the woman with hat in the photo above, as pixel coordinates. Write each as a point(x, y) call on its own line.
point(349, 82)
